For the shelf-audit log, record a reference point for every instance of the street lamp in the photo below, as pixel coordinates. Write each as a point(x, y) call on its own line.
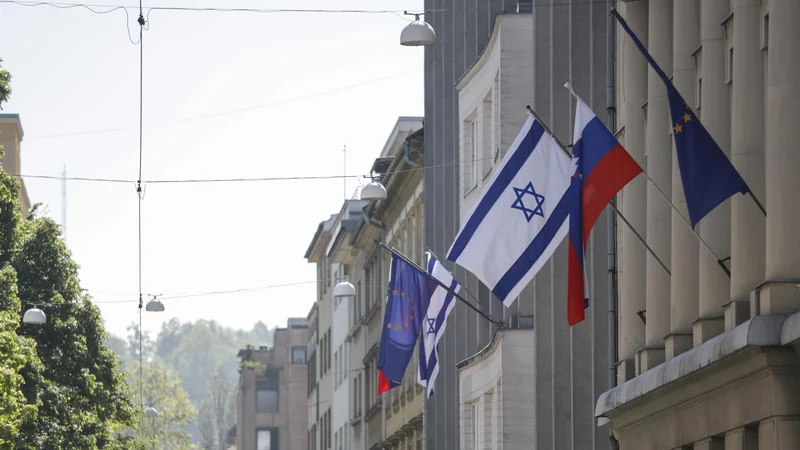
point(373, 191)
point(34, 316)
point(154, 305)
point(152, 413)
point(344, 289)
point(417, 33)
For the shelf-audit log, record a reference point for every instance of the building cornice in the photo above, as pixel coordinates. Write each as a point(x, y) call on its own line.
point(760, 331)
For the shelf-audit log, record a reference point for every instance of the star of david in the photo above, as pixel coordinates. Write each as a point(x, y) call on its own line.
point(431, 325)
point(520, 205)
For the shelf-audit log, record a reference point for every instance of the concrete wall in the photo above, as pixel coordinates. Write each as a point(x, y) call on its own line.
point(571, 363)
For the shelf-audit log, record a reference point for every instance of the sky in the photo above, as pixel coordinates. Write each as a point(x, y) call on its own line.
point(226, 95)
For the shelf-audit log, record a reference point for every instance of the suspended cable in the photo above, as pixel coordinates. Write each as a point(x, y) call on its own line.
point(109, 7)
point(192, 295)
point(140, 195)
point(241, 179)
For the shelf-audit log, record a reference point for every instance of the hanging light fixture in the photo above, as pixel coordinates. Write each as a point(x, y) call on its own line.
point(154, 305)
point(417, 33)
point(151, 412)
point(373, 191)
point(344, 289)
point(34, 316)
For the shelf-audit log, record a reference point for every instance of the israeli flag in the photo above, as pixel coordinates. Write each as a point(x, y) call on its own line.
point(521, 216)
point(434, 322)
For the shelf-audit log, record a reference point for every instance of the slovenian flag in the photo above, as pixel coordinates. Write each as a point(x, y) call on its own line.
point(602, 167)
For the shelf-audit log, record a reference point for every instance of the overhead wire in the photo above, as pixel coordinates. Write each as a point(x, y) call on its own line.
point(145, 182)
point(188, 295)
point(140, 194)
point(92, 8)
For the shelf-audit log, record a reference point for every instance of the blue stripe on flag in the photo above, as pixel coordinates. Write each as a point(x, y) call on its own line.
point(535, 249)
point(440, 318)
point(504, 178)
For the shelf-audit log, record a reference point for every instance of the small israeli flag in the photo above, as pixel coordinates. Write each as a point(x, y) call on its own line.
point(434, 322)
point(521, 216)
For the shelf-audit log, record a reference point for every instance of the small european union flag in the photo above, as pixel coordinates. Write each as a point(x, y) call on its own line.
point(410, 291)
point(708, 176)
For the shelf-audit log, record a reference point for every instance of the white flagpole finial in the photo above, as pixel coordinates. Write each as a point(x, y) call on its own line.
point(567, 85)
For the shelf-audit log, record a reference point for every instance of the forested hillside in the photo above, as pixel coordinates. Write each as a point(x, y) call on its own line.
point(202, 355)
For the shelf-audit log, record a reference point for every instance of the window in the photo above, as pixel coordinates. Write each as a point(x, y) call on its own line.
point(485, 150)
point(367, 383)
point(328, 347)
point(470, 155)
point(328, 428)
point(266, 439)
point(267, 399)
point(336, 369)
point(299, 355)
point(729, 73)
point(475, 426)
point(698, 79)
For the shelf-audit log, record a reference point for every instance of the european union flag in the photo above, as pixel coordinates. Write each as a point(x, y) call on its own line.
point(708, 176)
point(410, 291)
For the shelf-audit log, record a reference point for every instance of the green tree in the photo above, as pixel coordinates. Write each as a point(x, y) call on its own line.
point(17, 355)
point(83, 393)
point(217, 413)
point(147, 344)
point(5, 84)
point(73, 394)
point(163, 391)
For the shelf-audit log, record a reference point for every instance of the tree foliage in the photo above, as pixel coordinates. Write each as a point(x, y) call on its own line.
point(163, 391)
point(60, 386)
point(5, 84)
point(17, 355)
point(197, 352)
point(83, 393)
point(217, 413)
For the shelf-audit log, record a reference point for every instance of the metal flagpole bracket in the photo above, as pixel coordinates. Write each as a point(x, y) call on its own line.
point(619, 214)
point(446, 288)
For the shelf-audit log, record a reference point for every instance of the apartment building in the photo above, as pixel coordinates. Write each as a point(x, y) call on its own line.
point(709, 360)
point(391, 419)
point(401, 215)
point(344, 249)
point(329, 344)
point(533, 384)
point(272, 401)
point(11, 136)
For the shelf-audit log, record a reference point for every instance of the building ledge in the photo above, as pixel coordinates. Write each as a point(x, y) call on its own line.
point(760, 331)
point(374, 409)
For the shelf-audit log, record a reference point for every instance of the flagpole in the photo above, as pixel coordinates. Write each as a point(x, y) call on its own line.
point(674, 208)
point(664, 77)
point(474, 297)
point(446, 288)
point(619, 214)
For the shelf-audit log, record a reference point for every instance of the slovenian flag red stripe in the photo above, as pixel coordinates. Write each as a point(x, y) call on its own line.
point(602, 168)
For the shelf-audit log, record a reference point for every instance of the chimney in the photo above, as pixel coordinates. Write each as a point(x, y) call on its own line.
point(524, 6)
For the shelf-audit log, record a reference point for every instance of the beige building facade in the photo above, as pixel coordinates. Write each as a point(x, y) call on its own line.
point(11, 135)
point(707, 360)
point(401, 215)
point(344, 248)
point(272, 399)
